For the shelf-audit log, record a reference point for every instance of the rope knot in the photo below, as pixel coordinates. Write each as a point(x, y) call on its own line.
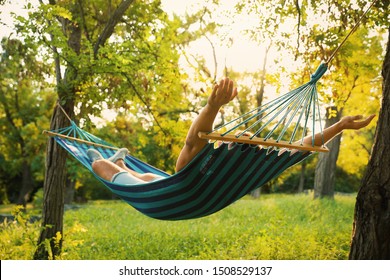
point(319, 73)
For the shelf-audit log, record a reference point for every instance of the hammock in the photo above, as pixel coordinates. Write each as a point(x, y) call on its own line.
point(217, 177)
point(214, 179)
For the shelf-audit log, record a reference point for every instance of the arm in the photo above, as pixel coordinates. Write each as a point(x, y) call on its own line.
point(222, 94)
point(348, 122)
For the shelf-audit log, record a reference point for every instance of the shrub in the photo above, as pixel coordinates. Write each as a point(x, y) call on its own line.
point(345, 182)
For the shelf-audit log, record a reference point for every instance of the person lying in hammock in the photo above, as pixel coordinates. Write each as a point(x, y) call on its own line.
point(114, 169)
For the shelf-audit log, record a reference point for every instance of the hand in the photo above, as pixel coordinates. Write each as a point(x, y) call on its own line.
point(222, 93)
point(352, 122)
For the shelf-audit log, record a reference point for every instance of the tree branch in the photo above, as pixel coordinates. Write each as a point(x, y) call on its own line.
point(83, 22)
point(214, 57)
point(350, 91)
point(150, 111)
point(178, 111)
point(299, 27)
point(57, 62)
point(111, 23)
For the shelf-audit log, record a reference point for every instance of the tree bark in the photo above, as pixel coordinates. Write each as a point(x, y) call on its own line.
point(27, 185)
point(54, 191)
point(55, 173)
point(302, 177)
point(371, 227)
point(324, 179)
point(110, 26)
point(70, 190)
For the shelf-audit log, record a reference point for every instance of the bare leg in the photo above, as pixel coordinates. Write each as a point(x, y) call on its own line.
point(143, 176)
point(106, 169)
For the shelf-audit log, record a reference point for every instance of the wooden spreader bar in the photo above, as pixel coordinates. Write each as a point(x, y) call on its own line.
point(53, 134)
point(259, 141)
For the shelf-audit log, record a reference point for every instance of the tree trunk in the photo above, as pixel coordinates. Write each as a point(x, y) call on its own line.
point(324, 179)
point(70, 190)
point(371, 227)
point(27, 185)
point(302, 177)
point(55, 176)
point(54, 191)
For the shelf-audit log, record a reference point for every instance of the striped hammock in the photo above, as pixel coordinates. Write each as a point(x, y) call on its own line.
point(213, 180)
point(217, 177)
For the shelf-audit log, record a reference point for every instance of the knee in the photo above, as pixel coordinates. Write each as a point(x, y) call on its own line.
point(105, 169)
point(120, 163)
point(98, 165)
point(147, 177)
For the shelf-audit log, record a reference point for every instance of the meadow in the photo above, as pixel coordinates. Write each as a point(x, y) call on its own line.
point(274, 227)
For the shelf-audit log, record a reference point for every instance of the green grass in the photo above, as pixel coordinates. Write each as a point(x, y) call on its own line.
point(273, 227)
point(8, 208)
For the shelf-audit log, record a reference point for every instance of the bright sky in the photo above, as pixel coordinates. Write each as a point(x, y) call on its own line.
point(15, 6)
point(242, 55)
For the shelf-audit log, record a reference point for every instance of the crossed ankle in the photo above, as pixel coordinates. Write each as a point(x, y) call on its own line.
point(119, 155)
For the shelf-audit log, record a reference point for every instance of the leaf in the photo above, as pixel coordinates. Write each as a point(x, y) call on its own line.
point(60, 12)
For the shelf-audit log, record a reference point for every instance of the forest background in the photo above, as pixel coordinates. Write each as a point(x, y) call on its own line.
point(142, 88)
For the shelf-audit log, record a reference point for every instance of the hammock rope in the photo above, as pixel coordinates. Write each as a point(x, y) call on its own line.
point(299, 106)
point(357, 24)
